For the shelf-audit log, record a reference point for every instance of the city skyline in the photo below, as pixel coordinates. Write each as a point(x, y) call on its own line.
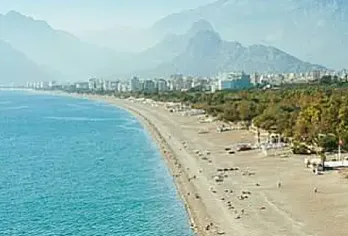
point(180, 82)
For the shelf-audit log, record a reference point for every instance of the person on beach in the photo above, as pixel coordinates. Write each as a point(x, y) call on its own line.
point(278, 184)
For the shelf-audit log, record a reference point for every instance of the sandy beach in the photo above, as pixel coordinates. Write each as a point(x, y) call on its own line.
point(248, 200)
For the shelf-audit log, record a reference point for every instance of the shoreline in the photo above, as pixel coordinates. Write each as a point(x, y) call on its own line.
point(165, 150)
point(248, 200)
point(167, 154)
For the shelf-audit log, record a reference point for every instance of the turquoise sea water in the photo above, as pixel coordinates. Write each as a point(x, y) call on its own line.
point(77, 167)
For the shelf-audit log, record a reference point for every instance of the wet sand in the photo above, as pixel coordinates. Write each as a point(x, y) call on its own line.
point(249, 201)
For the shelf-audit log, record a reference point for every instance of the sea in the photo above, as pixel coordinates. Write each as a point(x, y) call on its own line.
point(79, 167)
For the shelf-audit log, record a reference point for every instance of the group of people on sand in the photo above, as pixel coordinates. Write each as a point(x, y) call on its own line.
point(235, 202)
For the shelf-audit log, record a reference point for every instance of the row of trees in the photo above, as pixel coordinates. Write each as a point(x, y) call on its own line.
point(315, 114)
point(309, 114)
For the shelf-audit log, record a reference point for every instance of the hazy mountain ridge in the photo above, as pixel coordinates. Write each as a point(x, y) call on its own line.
point(170, 47)
point(15, 67)
point(58, 49)
point(207, 54)
point(314, 30)
point(199, 51)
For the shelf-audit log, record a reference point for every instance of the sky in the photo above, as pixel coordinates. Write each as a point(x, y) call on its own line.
point(85, 15)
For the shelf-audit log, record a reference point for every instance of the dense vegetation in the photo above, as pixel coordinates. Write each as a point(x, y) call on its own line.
point(312, 114)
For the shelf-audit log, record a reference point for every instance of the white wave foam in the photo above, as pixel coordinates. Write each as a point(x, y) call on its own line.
point(128, 127)
point(13, 108)
point(67, 118)
point(131, 121)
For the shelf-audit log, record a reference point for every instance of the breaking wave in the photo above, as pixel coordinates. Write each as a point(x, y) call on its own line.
point(129, 127)
point(14, 108)
point(67, 118)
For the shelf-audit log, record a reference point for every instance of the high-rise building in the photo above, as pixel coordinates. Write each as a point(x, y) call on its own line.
point(92, 84)
point(149, 86)
point(106, 85)
point(162, 85)
point(114, 85)
point(187, 84)
point(177, 82)
point(135, 84)
point(119, 87)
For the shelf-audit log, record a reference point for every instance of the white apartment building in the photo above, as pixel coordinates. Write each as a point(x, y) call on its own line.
point(114, 85)
point(92, 84)
point(82, 85)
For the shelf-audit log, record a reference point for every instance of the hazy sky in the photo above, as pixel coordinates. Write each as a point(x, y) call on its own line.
point(79, 15)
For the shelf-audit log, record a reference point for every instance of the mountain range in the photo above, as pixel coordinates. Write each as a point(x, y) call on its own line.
point(200, 50)
point(16, 67)
point(56, 49)
point(206, 54)
point(170, 47)
point(313, 30)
